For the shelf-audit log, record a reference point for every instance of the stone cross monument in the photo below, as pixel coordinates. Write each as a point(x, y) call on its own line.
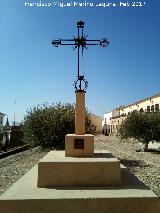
point(80, 144)
point(68, 182)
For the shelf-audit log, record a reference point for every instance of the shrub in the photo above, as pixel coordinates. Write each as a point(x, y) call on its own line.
point(46, 126)
point(144, 127)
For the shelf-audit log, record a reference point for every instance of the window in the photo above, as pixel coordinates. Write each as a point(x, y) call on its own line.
point(141, 110)
point(148, 108)
point(156, 107)
point(152, 108)
point(117, 127)
point(129, 113)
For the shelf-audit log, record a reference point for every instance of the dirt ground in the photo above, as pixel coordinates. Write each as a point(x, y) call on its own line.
point(145, 165)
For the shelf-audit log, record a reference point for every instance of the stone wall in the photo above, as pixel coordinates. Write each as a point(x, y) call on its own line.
point(97, 120)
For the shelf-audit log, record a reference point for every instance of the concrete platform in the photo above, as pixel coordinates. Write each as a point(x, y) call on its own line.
point(131, 196)
point(101, 169)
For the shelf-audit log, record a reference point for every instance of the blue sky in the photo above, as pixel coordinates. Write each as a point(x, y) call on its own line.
point(32, 71)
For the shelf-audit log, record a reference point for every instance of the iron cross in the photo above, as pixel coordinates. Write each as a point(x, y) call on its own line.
point(82, 42)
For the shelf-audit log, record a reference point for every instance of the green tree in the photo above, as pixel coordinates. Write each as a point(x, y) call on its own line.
point(144, 127)
point(46, 126)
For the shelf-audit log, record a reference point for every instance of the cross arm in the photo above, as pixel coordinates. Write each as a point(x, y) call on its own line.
point(103, 42)
point(92, 39)
point(58, 42)
point(68, 39)
point(81, 42)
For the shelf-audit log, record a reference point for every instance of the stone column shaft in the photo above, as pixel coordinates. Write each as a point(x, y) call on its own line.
point(80, 113)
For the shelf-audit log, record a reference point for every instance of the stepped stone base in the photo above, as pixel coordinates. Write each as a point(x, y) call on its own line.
point(131, 197)
point(102, 169)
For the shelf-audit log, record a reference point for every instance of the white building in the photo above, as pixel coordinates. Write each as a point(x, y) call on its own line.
point(116, 117)
point(106, 122)
point(106, 118)
point(150, 104)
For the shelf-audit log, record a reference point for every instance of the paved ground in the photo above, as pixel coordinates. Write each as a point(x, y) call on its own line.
point(144, 165)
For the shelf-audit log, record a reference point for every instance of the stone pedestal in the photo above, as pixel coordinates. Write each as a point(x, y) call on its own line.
point(80, 113)
point(56, 170)
point(79, 145)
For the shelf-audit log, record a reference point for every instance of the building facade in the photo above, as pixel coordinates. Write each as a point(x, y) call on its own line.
point(97, 120)
point(150, 104)
point(1, 121)
point(106, 122)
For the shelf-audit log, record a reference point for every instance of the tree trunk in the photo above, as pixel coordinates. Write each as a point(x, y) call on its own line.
point(145, 147)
